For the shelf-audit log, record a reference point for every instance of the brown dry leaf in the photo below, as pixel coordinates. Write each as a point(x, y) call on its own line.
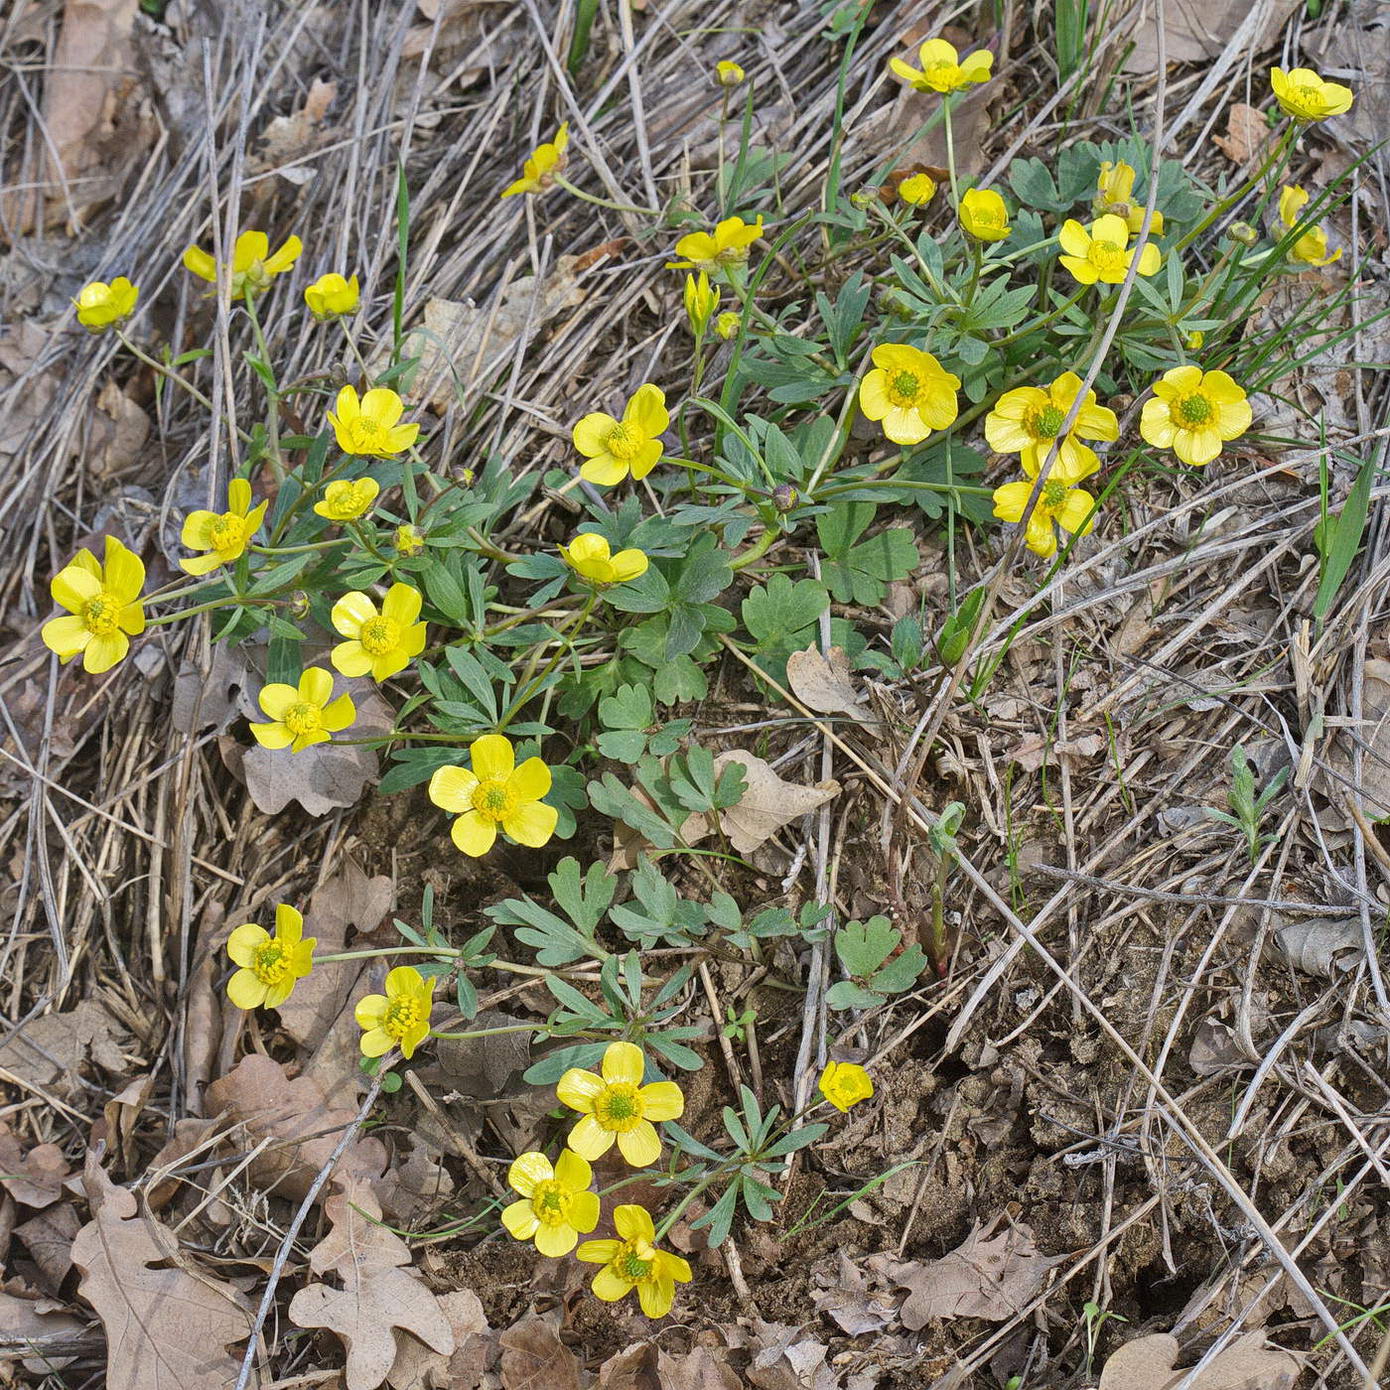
point(1200, 29)
point(786, 1358)
point(1373, 792)
point(288, 139)
point(703, 1368)
point(167, 1328)
point(118, 431)
point(846, 1299)
point(1322, 946)
point(416, 1367)
point(823, 682)
point(34, 1178)
point(48, 1237)
point(1031, 753)
point(1247, 136)
point(1249, 1364)
point(768, 802)
point(377, 1293)
point(534, 1357)
point(55, 1045)
point(988, 1277)
point(40, 1322)
point(304, 1123)
point(633, 1368)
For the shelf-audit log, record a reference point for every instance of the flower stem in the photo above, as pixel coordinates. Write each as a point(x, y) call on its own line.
point(946, 103)
point(170, 375)
point(598, 202)
point(272, 408)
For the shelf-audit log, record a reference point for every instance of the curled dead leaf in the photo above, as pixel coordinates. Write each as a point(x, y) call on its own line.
point(823, 682)
point(768, 801)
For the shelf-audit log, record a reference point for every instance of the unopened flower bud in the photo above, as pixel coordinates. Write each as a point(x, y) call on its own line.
point(408, 540)
point(785, 497)
point(728, 74)
point(864, 197)
point(299, 604)
point(1242, 232)
point(726, 325)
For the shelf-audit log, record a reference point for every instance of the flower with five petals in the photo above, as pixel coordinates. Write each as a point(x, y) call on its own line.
point(1304, 95)
point(943, 70)
point(270, 965)
point(1194, 413)
point(398, 1018)
point(634, 1262)
point(346, 499)
point(103, 602)
point(1068, 507)
point(331, 297)
point(303, 715)
point(556, 1206)
point(615, 448)
point(616, 1106)
point(100, 306)
point(1102, 251)
point(844, 1084)
point(368, 426)
point(727, 245)
point(1025, 421)
point(547, 161)
point(494, 794)
point(909, 392)
point(588, 556)
point(253, 267)
point(383, 643)
point(224, 536)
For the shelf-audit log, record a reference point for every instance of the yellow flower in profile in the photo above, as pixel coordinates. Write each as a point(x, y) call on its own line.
point(330, 297)
point(546, 161)
point(99, 305)
point(1302, 94)
point(1311, 246)
point(224, 536)
point(726, 326)
point(1025, 421)
point(727, 245)
point(304, 715)
point(1115, 194)
point(408, 540)
point(1101, 252)
point(398, 1018)
point(701, 300)
point(494, 794)
point(1060, 503)
point(728, 74)
point(917, 190)
point(270, 965)
point(632, 445)
point(588, 557)
point(368, 427)
point(909, 391)
point(556, 1206)
point(104, 606)
point(381, 643)
point(942, 69)
point(616, 1106)
point(253, 267)
point(346, 500)
point(1194, 413)
point(634, 1262)
point(844, 1084)
point(983, 215)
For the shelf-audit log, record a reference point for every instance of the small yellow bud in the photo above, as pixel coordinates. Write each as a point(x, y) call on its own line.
point(728, 74)
point(408, 540)
point(726, 325)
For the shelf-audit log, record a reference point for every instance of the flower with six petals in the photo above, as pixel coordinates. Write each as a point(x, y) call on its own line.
point(983, 215)
point(1310, 246)
point(1194, 413)
point(587, 555)
point(99, 305)
point(346, 500)
point(1060, 503)
point(616, 1106)
point(494, 794)
point(1304, 95)
point(727, 245)
point(1025, 421)
point(380, 643)
point(331, 297)
point(1102, 251)
point(615, 448)
point(844, 1084)
point(224, 536)
point(634, 1262)
point(103, 603)
point(909, 391)
point(303, 715)
point(253, 267)
point(540, 170)
point(942, 68)
point(270, 965)
point(556, 1206)
point(398, 1018)
point(368, 426)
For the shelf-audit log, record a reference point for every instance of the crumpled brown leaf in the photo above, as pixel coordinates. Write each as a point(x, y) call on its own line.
point(785, 1357)
point(701, 1368)
point(33, 1177)
point(1324, 946)
point(1248, 135)
point(768, 802)
point(167, 1327)
point(54, 1045)
point(1199, 29)
point(378, 1292)
point(417, 1367)
point(1250, 1363)
point(823, 682)
point(1031, 753)
point(847, 1301)
point(534, 1357)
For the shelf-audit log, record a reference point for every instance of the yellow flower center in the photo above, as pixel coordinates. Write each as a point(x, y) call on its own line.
point(1047, 422)
point(941, 73)
point(380, 635)
point(408, 540)
point(903, 388)
point(270, 963)
point(624, 442)
point(618, 1107)
point(551, 1202)
point(225, 533)
point(494, 800)
point(100, 614)
point(634, 1261)
point(400, 1016)
point(367, 432)
point(348, 501)
point(301, 718)
point(1107, 257)
point(1053, 495)
point(1307, 98)
point(1194, 410)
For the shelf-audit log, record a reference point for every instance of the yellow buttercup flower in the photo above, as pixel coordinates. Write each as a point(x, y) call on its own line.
point(728, 74)
point(1194, 413)
point(634, 1262)
point(1060, 503)
point(368, 426)
point(408, 540)
point(726, 326)
point(398, 1018)
point(494, 794)
point(347, 499)
point(224, 536)
point(844, 1084)
point(253, 267)
point(556, 1206)
point(1102, 252)
point(909, 391)
point(1311, 246)
point(1025, 421)
point(917, 190)
point(380, 643)
point(330, 297)
point(270, 965)
point(1305, 96)
point(942, 69)
point(633, 445)
point(304, 715)
point(616, 1106)
point(104, 604)
point(727, 245)
point(546, 161)
point(588, 557)
point(701, 300)
point(1115, 194)
point(983, 215)
point(99, 305)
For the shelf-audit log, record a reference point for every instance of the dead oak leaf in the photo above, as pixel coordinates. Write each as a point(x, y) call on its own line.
point(1250, 1363)
point(1248, 134)
point(167, 1327)
point(33, 1178)
point(534, 1357)
point(768, 802)
point(823, 682)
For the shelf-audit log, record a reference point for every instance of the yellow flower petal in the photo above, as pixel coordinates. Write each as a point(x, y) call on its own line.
point(520, 1219)
point(589, 1139)
point(578, 1089)
point(573, 1171)
point(532, 823)
point(451, 788)
point(623, 1061)
point(662, 1100)
point(473, 834)
point(634, 1223)
point(640, 1145)
point(492, 757)
point(528, 1170)
point(243, 941)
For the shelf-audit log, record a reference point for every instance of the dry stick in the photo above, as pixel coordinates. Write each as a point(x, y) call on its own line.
point(283, 1253)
